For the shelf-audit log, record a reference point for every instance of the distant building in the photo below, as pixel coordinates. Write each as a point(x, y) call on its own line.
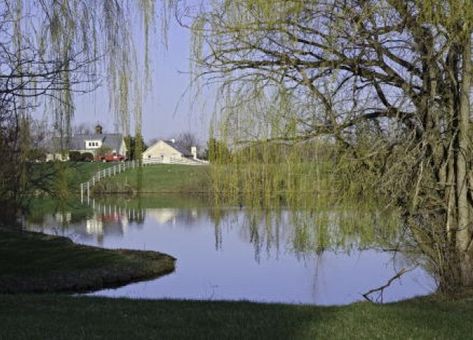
point(86, 143)
point(168, 151)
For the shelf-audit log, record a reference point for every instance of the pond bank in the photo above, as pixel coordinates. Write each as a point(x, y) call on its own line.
point(34, 262)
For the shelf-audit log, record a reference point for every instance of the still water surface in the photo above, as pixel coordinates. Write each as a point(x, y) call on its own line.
point(231, 254)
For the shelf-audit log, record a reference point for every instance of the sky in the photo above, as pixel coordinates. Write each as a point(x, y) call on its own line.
point(168, 108)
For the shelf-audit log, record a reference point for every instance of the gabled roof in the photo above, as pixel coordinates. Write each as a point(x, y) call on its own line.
point(178, 147)
point(77, 142)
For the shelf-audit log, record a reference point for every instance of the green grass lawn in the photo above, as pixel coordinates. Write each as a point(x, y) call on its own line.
point(64, 317)
point(162, 178)
point(33, 262)
point(63, 176)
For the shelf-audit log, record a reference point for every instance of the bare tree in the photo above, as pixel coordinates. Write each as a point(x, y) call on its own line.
point(187, 140)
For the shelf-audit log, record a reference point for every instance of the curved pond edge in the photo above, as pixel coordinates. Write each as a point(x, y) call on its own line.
point(39, 263)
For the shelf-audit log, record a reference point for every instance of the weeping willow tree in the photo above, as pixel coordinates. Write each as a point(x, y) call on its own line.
point(388, 83)
point(52, 49)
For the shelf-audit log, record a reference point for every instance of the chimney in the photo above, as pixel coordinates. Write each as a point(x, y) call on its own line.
point(194, 152)
point(98, 129)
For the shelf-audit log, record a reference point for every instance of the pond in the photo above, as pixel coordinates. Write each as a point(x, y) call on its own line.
point(235, 253)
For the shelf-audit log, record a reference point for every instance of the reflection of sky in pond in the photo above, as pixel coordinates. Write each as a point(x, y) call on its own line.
point(237, 260)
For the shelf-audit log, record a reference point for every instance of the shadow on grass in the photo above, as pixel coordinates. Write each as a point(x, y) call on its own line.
point(86, 317)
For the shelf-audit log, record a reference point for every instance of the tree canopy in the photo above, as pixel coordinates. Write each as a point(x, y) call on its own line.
point(390, 83)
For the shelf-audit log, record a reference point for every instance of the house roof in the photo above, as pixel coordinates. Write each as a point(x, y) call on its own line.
point(178, 147)
point(77, 142)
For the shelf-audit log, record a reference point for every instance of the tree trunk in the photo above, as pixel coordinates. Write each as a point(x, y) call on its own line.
point(463, 155)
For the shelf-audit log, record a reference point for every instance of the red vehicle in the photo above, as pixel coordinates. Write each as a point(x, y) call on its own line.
point(111, 157)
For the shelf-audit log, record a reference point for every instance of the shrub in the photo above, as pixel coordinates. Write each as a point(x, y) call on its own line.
point(75, 156)
point(87, 157)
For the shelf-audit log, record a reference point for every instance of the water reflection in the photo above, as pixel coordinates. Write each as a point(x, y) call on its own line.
point(235, 253)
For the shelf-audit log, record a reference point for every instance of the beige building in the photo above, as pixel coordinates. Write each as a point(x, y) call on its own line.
point(168, 152)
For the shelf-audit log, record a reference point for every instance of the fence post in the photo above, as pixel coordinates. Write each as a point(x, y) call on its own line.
point(88, 193)
point(82, 193)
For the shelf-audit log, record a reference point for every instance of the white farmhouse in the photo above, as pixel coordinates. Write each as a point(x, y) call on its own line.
point(168, 151)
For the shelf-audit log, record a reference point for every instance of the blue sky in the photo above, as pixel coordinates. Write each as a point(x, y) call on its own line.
point(167, 109)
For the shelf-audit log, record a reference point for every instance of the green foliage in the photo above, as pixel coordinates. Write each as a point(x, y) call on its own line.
point(135, 147)
point(77, 156)
point(218, 151)
point(265, 174)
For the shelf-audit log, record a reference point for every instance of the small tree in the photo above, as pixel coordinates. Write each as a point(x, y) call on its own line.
point(135, 147)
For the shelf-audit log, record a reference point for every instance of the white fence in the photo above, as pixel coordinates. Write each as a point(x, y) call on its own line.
point(184, 161)
point(104, 173)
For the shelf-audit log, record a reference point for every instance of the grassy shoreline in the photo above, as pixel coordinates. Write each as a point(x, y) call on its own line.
point(34, 262)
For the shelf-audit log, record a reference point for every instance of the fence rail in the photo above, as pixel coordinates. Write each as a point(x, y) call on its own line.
point(104, 173)
point(185, 161)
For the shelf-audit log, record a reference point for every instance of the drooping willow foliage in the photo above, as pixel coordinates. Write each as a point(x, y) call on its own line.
point(58, 47)
point(52, 49)
point(386, 83)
